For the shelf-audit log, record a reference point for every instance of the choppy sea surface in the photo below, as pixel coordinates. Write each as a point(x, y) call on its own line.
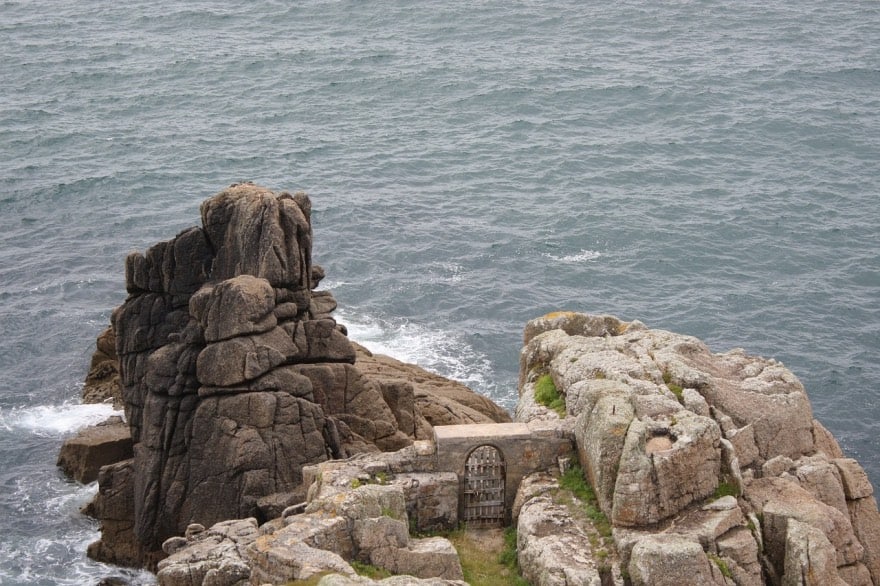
point(706, 167)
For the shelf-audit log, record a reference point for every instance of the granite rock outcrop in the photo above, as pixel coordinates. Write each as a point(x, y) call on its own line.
point(233, 376)
point(670, 502)
point(357, 510)
point(709, 467)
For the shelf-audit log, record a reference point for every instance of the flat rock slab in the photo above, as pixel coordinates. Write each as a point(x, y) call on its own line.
point(83, 455)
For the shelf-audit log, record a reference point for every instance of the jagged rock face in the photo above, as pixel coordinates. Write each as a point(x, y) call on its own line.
point(207, 340)
point(660, 422)
point(256, 232)
point(233, 376)
point(553, 549)
point(211, 343)
point(653, 407)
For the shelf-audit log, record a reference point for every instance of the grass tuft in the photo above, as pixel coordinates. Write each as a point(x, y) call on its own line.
point(548, 395)
point(677, 390)
point(724, 489)
point(487, 566)
point(370, 571)
point(722, 566)
point(507, 557)
point(573, 480)
point(313, 581)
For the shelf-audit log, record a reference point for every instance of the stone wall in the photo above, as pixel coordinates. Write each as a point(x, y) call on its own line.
point(526, 448)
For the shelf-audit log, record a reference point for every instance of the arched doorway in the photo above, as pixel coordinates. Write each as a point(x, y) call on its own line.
point(484, 487)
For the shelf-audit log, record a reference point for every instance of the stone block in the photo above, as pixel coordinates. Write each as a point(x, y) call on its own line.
point(822, 480)
point(371, 537)
point(777, 466)
point(866, 525)
point(855, 481)
point(810, 558)
point(740, 545)
point(82, 456)
point(668, 560)
point(431, 500)
point(655, 484)
point(433, 557)
point(708, 523)
point(552, 549)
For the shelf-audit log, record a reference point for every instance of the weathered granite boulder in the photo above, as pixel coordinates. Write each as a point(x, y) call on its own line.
point(670, 560)
point(664, 426)
point(82, 456)
point(212, 556)
point(102, 383)
point(234, 375)
point(780, 502)
point(665, 465)
point(114, 506)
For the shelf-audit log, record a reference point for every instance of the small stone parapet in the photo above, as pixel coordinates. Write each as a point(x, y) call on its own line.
point(665, 428)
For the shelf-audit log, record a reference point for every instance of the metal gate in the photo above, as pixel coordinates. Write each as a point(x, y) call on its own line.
point(484, 488)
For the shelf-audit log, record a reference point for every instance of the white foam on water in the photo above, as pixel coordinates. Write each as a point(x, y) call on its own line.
point(52, 420)
point(43, 560)
point(437, 351)
point(57, 554)
point(578, 257)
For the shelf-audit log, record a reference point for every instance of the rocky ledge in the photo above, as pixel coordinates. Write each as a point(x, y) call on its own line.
point(261, 446)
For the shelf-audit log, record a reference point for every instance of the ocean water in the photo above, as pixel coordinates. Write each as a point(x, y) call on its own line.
point(706, 167)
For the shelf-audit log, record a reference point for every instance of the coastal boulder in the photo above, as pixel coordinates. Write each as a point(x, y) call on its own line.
point(212, 556)
point(553, 549)
point(671, 561)
point(82, 456)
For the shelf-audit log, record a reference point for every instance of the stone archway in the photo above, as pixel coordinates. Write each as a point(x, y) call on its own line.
point(484, 483)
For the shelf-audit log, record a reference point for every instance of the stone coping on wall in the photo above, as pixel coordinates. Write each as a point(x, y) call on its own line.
point(481, 431)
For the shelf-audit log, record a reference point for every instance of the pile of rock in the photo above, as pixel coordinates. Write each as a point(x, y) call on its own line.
point(360, 510)
point(664, 427)
point(234, 376)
